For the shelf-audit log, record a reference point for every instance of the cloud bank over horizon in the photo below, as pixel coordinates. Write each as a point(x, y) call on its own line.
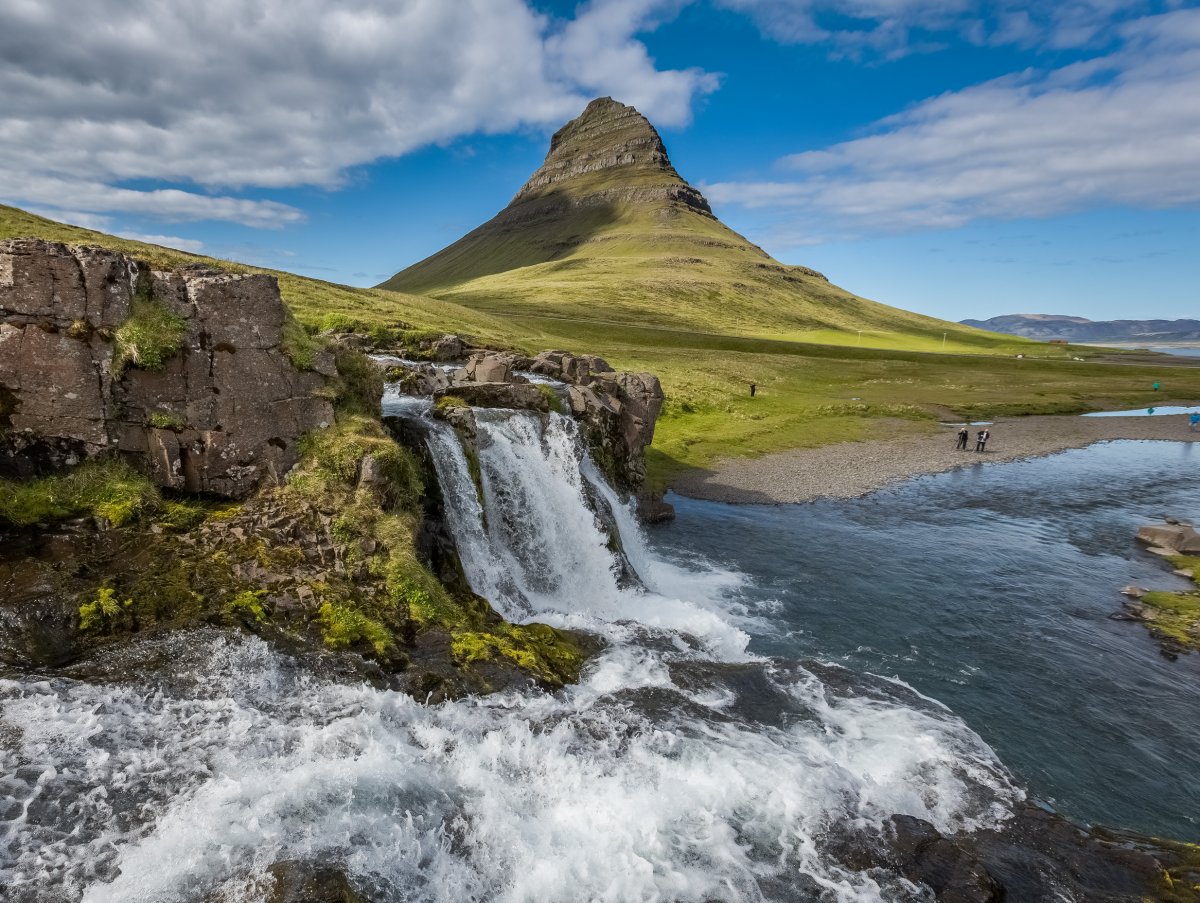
point(103, 96)
point(1119, 129)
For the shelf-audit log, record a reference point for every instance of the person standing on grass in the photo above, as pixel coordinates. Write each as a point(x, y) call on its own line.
point(981, 439)
point(963, 435)
point(753, 389)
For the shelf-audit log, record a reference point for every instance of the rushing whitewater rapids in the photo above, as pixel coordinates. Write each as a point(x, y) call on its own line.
point(680, 768)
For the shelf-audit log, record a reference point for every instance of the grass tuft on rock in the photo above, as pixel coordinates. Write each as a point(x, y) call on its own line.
point(247, 606)
point(1176, 616)
point(166, 420)
point(300, 347)
point(552, 657)
point(109, 489)
point(104, 611)
point(344, 627)
point(149, 337)
point(553, 399)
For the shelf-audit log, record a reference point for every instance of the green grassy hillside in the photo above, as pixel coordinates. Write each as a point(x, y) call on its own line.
point(607, 231)
point(809, 394)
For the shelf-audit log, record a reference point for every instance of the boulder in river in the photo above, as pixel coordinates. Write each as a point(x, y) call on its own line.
point(1180, 538)
point(516, 396)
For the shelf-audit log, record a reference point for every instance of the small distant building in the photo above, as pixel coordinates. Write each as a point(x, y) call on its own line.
point(1059, 342)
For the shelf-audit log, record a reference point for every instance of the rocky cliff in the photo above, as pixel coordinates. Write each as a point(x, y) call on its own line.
point(184, 370)
point(609, 140)
point(616, 410)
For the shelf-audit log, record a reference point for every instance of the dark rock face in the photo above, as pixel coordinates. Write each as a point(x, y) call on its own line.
point(609, 135)
point(1038, 855)
point(216, 415)
point(515, 396)
point(1034, 857)
point(304, 882)
point(618, 410)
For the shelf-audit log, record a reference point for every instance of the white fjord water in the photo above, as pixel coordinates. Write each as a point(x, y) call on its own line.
point(680, 768)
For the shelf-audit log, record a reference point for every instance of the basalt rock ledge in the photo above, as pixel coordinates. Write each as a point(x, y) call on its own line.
point(185, 371)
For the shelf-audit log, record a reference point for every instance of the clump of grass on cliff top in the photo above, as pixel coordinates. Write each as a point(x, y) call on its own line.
point(150, 336)
point(359, 389)
point(332, 463)
point(300, 347)
point(109, 489)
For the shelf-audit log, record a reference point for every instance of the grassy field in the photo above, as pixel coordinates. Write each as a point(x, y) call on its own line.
point(809, 394)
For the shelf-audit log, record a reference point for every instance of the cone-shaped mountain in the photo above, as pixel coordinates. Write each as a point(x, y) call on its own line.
point(606, 229)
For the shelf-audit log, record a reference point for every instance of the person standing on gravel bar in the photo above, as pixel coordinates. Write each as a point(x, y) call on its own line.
point(1194, 420)
point(963, 435)
point(753, 389)
point(981, 439)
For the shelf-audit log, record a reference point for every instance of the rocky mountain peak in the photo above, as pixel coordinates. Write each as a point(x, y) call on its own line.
point(609, 149)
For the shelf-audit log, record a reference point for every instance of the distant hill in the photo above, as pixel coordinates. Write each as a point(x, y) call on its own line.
point(1081, 329)
point(607, 231)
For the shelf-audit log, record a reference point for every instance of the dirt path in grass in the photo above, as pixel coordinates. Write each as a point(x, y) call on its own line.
point(855, 468)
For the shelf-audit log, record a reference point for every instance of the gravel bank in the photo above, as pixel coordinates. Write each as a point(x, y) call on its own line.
point(856, 468)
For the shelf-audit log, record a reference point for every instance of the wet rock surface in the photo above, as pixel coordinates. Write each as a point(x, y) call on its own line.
point(185, 371)
point(1040, 856)
point(515, 396)
point(305, 882)
point(1176, 537)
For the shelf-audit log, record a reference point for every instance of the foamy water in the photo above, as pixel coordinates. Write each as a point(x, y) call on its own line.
point(680, 768)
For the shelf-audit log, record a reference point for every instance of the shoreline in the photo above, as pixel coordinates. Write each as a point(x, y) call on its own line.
point(852, 469)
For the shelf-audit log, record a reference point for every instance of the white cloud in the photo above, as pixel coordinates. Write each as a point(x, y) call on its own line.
point(229, 94)
point(1122, 129)
point(167, 241)
point(893, 28)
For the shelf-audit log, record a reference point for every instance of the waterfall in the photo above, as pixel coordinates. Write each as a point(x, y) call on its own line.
point(680, 767)
point(537, 550)
point(542, 543)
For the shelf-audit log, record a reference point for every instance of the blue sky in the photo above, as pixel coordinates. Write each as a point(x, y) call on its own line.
point(957, 157)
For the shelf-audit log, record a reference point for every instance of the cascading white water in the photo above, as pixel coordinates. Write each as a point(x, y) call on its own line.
point(681, 767)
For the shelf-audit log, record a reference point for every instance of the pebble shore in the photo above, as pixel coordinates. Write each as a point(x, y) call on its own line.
point(852, 469)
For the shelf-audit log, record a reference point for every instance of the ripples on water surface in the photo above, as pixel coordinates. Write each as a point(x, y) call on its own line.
point(990, 589)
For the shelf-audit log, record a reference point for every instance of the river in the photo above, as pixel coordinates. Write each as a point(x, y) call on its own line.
point(768, 685)
point(990, 589)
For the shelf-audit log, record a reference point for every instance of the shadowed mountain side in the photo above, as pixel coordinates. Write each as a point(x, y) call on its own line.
point(607, 230)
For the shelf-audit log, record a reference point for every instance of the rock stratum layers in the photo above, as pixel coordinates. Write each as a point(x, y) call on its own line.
point(185, 369)
point(609, 139)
